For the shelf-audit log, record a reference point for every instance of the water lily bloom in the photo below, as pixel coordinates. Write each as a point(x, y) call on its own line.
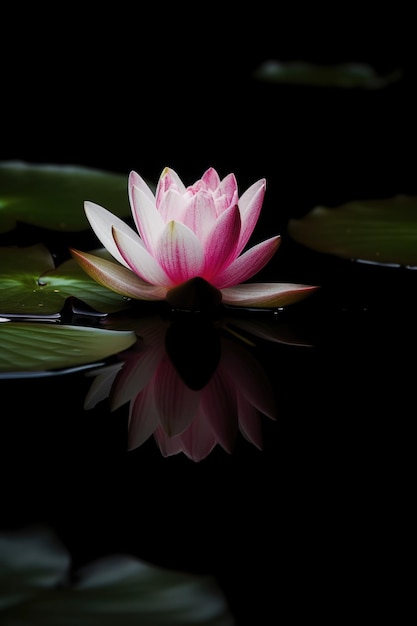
point(187, 237)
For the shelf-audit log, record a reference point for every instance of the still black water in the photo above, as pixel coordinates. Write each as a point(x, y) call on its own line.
point(297, 513)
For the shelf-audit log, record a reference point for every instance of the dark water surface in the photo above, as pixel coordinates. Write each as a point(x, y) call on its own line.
point(311, 524)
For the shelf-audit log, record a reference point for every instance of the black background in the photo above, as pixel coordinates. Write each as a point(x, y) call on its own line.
point(132, 88)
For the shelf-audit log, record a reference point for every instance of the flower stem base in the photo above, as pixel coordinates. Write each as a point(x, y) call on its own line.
point(195, 294)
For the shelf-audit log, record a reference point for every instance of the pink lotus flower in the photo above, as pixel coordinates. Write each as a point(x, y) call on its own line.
point(187, 236)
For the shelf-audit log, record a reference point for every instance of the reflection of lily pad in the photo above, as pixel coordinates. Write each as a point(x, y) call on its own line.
point(36, 588)
point(31, 285)
point(345, 75)
point(34, 347)
point(378, 231)
point(52, 196)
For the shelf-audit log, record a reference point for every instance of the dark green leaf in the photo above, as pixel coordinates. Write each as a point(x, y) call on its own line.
point(38, 346)
point(378, 231)
point(345, 75)
point(52, 196)
point(30, 284)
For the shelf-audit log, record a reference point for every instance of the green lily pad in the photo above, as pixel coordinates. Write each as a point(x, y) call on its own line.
point(36, 588)
point(344, 75)
point(52, 196)
point(378, 231)
point(40, 346)
point(31, 285)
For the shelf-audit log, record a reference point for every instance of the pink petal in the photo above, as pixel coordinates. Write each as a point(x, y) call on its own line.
point(227, 193)
point(248, 263)
point(117, 277)
point(193, 442)
point(175, 180)
point(266, 294)
point(252, 383)
point(211, 178)
point(168, 179)
point(101, 221)
point(199, 214)
point(220, 247)
point(198, 440)
point(135, 376)
point(168, 446)
point(176, 403)
point(218, 399)
point(102, 385)
point(143, 419)
point(147, 219)
point(172, 206)
point(250, 204)
point(138, 259)
point(135, 180)
point(180, 253)
point(250, 422)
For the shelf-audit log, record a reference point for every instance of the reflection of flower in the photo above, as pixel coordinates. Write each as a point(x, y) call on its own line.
point(38, 586)
point(187, 233)
point(189, 396)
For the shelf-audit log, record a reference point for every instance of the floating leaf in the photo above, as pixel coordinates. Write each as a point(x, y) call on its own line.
point(345, 75)
point(36, 588)
point(38, 346)
point(52, 196)
point(31, 285)
point(378, 231)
